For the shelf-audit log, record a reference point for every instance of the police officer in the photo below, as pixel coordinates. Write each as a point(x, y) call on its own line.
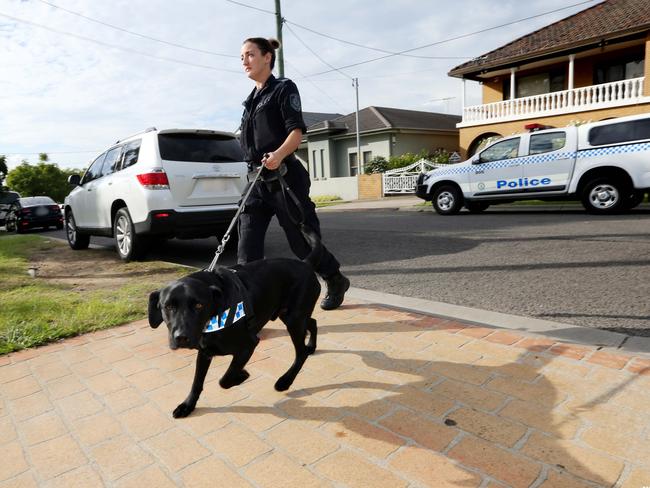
point(271, 130)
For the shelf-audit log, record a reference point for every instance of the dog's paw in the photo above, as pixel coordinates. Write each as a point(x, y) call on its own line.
point(310, 349)
point(183, 410)
point(234, 379)
point(283, 383)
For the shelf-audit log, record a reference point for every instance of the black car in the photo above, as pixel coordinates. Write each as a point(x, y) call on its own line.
point(7, 199)
point(29, 212)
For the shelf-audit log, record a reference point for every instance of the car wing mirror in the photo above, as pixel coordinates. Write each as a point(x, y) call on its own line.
point(74, 180)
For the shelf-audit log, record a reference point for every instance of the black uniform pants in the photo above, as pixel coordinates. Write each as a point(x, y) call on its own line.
point(263, 203)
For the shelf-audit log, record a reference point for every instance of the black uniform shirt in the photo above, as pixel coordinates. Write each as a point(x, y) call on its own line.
point(269, 116)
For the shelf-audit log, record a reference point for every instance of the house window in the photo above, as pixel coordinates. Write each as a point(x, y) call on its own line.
point(313, 163)
point(354, 166)
point(619, 69)
point(527, 86)
point(322, 163)
point(367, 157)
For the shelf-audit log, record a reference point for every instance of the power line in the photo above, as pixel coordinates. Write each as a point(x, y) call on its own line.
point(250, 6)
point(316, 86)
point(316, 54)
point(105, 44)
point(456, 37)
point(144, 36)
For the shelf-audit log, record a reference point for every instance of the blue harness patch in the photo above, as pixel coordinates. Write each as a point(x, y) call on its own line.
point(219, 322)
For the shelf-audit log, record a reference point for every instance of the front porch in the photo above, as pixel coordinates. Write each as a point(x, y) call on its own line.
point(595, 97)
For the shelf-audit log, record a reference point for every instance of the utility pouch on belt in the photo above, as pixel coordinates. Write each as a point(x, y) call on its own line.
point(270, 177)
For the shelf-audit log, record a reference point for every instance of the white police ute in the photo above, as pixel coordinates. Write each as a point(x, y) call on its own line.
point(606, 165)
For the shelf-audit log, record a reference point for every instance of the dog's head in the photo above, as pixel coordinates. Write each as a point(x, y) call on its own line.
point(186, 306)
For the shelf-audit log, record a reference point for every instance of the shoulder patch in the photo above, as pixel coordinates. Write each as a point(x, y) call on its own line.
point(294, 101)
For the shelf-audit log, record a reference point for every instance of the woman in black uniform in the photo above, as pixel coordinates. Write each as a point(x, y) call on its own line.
point(271, 131)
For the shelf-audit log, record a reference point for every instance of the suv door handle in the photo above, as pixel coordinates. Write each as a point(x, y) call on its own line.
point(479, 172)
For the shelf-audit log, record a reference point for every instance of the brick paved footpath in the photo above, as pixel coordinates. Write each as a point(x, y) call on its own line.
point(391, 399)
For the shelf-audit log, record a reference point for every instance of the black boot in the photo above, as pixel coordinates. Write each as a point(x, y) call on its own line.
point(337, 285)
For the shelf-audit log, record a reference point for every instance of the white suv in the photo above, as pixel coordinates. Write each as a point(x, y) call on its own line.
point(154, 185)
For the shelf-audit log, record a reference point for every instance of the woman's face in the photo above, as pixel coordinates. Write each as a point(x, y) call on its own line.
point(256, 65)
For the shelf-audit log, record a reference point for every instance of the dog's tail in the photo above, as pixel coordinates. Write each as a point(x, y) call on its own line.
point(314, 241)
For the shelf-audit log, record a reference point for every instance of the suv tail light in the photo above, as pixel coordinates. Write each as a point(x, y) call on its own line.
point(155, 180)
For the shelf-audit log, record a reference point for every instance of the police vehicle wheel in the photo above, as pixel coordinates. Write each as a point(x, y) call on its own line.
point(129, 245)
point(476, 207)
point(603, 196)
point(76, 239)
point(447, 200)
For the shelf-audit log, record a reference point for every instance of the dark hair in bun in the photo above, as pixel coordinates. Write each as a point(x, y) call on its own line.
point(265, 46)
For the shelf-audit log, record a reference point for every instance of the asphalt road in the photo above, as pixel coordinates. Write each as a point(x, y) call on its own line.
point(564, 266)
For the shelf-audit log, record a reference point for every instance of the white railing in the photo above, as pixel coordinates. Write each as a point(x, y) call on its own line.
point(403, 180)
point(606, 95)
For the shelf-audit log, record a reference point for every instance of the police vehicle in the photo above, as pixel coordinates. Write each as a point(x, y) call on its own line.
point(606, 165)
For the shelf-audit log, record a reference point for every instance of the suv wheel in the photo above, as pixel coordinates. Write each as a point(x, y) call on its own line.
point(128, 244)
point(476, 207)
point(603, 196)
point(76, 239)
point(447, 200)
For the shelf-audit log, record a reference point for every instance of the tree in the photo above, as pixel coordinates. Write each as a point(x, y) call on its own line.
point(42, 179)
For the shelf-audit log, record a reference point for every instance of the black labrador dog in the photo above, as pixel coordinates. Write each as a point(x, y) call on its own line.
point(220, 313)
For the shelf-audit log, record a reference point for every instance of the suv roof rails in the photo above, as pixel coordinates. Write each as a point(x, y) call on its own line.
point(149, 129)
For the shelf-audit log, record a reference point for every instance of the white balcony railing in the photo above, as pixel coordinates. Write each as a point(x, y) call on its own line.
point(606, 95)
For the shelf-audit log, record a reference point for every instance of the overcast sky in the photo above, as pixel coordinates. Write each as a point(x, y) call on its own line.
point(70, 86)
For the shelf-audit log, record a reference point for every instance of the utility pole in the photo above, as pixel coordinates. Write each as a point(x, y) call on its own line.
point(278, 27)
point(355, 84)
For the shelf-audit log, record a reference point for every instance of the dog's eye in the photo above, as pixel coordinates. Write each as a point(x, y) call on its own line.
point(169, 308)
point(198, 306)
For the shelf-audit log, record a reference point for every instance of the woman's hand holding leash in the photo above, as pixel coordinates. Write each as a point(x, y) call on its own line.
point(271, 161)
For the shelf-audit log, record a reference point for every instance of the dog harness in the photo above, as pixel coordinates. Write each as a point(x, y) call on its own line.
point(237, 295)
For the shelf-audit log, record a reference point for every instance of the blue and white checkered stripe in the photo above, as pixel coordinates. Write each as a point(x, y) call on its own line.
point(218, 322)
point(545, 158)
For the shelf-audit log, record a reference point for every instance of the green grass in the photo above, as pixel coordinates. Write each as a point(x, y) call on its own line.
point(326, 200)
point(35, 311)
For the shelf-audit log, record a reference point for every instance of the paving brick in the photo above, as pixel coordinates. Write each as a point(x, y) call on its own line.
point(562, 424)
point(278, 471)
point(423, 431)
point(202, 421)
point(562, 480)
point(365, 436)
point(84, 477)
point(475, 375)
point(120, 456)
point(422, 401)
point(129, 366)
point(96, 428)
point(609, 360)
point(105, 383)
point(19, 388)
point(351, 470)
point(238, 444)
point(14, 372)
point(149, 379)
point(585, 463)
point(170, 362)
point(542, 392)
point(501, 353)
point(638, 478)
point(310, 411)
point(90, 367)
point(301, 442)
point(113, 353)
point(443, 339)
point(125, 399)
point(13, 461)
point(474, 396)
point(432, 469)
point(637, 400)
point(7, 430)
point(30, 406)
point(501, 367)
point(476, 332)
point(63, 387)
point(25, 480)
point(145, 421)
point(255, 415)
point(570, 351)
point(211, 472)
point(56, 456)
point(152, 476)
point(626, 445)
point(176, 449)
point(42, 428)
point(639, 366)
point(534, 344)
point(79, 405)
point(488, 426)
point(503, 337)
point(52, 370)
point(512, 469)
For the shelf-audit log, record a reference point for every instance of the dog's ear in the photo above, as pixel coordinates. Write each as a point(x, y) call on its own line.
point(155, 315)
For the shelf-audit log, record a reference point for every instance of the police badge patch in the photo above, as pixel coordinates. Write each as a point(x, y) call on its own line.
point(294, 101)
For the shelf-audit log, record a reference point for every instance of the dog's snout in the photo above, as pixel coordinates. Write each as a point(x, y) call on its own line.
point(181, 339)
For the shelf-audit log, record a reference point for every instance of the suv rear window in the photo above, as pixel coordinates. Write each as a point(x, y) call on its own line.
point(7, 198)
point(200, 148)
point(633, 130)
